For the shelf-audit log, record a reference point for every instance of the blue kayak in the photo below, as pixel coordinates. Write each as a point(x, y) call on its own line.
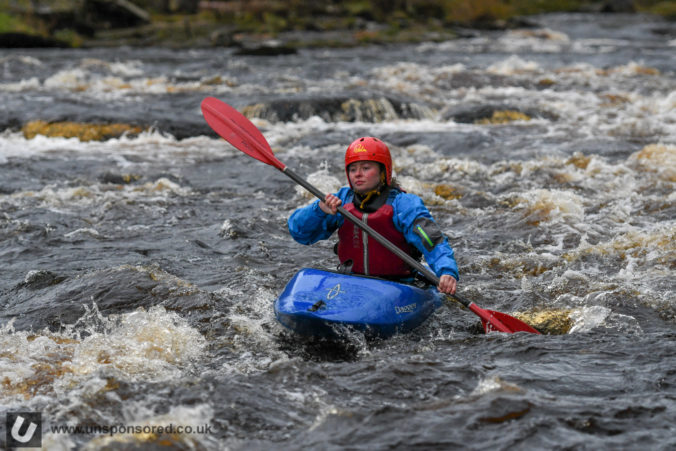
point(319, 303)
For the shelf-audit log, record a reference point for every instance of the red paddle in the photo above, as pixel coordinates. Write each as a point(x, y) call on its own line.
point(239, 131)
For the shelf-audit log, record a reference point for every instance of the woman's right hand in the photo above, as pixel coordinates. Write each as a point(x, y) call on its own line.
point(447, 284)
point(330, 204)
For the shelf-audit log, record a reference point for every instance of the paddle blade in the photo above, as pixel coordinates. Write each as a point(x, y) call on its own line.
point(500, 322)
point(239, 131)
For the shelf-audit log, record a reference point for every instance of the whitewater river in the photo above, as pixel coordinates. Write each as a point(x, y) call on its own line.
point(139, 273)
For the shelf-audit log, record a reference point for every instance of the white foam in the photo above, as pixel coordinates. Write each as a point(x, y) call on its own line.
point(64, 199)
point(148, 345)
point(323, 181)
point(541, 34)
point(29, 84)
point(125, 68)
point(513, 65)
point(586, 319)
point(492, 384)
point(150, 143)
point(91, 232)
point(553, 206)
point(20, 59)
point(114, 80)
point(589, 318)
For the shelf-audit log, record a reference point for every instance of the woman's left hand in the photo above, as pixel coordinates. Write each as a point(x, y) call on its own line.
point(447, 284)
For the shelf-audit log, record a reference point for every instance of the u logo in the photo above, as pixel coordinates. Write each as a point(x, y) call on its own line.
point(20, 435)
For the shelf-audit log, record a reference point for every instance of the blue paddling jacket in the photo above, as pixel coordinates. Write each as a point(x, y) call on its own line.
point(403, 219)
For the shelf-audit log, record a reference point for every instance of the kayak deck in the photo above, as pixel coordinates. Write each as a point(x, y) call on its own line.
point(319, 303)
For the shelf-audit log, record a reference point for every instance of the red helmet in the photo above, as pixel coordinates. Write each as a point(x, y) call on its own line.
point(369, 149)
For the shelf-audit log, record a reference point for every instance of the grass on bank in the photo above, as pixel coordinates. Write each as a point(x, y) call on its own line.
point(370, 20)
point(12, 24)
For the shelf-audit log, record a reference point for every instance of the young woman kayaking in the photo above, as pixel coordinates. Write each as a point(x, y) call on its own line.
point(375, 198)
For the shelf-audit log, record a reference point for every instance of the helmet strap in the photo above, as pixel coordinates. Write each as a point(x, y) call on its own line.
point(366, 197)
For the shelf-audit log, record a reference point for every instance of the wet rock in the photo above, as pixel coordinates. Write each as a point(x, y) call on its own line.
point(579, 160)
point(84, 132)
point(119, 179)
point(469, 115)
point(264, 50)
point(504, 117)
point(85, 17)
point(448, 192)
point(618, 6)
point(185, 128)
point(184, 6)
point(268, 48)
point(25, 41)
point(114, 13)
point(549, 322)
point(223, 37)
point(492, 114)
point(338, 109)
point(64, 17)
point(487, 22)
point(36, 280)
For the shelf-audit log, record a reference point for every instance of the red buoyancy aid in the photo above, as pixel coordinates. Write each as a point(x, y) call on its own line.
point(368, 256)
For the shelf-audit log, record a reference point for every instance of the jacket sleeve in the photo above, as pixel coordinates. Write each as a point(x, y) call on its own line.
point(309, 224)
point(414, 220)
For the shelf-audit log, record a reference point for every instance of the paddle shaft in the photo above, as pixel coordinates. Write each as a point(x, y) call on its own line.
point(429, 275)
point(232, 126)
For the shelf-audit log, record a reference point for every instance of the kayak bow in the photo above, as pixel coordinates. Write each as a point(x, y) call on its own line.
point(321, 303)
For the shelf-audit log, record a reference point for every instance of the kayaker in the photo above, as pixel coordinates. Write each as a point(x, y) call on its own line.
point(378, 200)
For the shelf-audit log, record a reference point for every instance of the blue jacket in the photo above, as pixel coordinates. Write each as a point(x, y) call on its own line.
point(310, 224)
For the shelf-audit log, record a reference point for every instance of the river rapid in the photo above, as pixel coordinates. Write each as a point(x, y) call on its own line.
point(139, 273)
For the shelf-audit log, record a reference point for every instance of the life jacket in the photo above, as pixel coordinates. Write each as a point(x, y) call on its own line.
point(368, 256)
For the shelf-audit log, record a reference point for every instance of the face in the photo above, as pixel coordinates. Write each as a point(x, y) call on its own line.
point(364, 175)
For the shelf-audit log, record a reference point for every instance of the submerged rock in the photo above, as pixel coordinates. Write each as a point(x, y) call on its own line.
point(550, 322)
point(84, 132)
point(119, 179)
point(38, 279)
point(504, 117)
point(493, 114)
point(448, 192)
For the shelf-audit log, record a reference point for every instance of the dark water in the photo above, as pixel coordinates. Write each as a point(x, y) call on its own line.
point(138, 274)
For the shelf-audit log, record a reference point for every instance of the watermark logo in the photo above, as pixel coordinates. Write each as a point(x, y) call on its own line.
point(24, 429)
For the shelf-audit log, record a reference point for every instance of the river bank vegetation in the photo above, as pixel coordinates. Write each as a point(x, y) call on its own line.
point(296, 23)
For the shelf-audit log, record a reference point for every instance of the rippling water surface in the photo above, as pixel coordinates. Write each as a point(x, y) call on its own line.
point(139, 272)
